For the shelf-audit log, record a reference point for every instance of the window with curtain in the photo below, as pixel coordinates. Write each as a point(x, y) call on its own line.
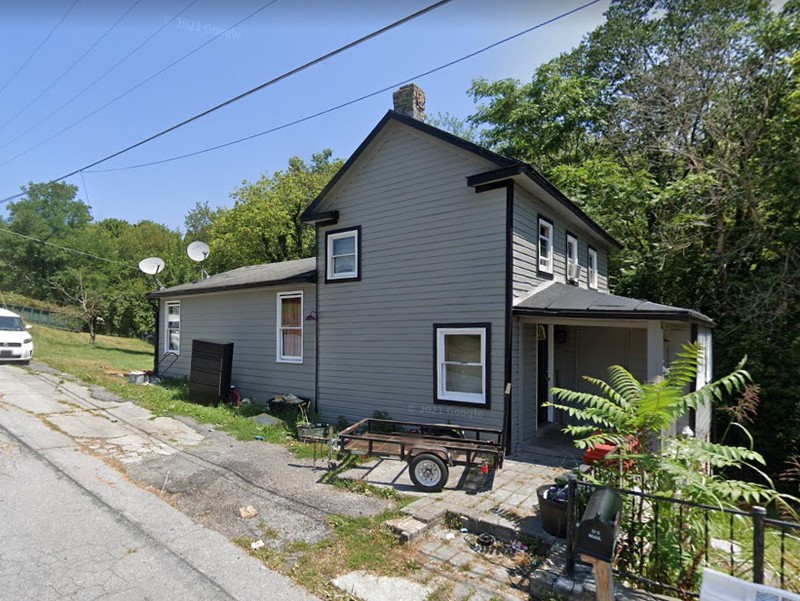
point(461, 358)
point(172, 342)
point(290, 327)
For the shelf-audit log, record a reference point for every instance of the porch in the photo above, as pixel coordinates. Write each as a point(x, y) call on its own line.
point(562, 333)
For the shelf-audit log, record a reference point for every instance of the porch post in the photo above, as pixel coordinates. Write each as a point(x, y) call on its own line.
point(551, 365)
point(655, 349)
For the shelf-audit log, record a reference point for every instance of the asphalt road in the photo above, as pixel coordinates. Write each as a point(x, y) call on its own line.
point(72, 527)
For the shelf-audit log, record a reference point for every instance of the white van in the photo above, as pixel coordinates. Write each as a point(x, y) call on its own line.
point(16, 343)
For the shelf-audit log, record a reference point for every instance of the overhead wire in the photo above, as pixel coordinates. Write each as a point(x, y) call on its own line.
point(67, 248)
point(349, 102)
point(137, 86)
point(251, 91)
point(39, 47)
point(104, 74)
point(72, 66)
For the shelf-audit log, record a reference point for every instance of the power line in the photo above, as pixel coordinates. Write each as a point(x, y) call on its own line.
point(72, 66)
point(67, 248)
point(39, 47)
point(251, 91)
point(350, 102)
point(109, 70)
point(137, 86)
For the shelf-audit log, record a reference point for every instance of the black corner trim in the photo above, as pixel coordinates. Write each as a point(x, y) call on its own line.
point(355, 278)
point(487, 327)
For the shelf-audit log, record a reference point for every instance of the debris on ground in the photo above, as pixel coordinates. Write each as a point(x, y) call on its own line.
point(248, 512)
point(256, 545)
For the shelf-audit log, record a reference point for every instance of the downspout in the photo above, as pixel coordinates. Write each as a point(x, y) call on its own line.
point(509, 303)
point(157, 313)
point(509, 312)
point(316, 326)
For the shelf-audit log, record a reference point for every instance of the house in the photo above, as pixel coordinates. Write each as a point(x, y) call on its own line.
point(452, 284)
point(261, 310)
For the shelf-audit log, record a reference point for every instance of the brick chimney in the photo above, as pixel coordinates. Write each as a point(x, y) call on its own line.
point(410, 100)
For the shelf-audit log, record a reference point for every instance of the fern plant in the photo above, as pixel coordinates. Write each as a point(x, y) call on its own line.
point(637, 417)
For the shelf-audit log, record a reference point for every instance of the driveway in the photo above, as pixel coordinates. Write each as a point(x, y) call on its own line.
point(77, 520)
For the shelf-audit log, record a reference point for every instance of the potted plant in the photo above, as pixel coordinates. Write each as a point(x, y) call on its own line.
point(553, 506)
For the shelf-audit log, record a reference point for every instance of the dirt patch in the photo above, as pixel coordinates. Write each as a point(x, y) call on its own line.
point(212, 480)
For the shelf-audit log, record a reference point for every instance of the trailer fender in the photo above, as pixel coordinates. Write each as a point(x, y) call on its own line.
point(441, 452)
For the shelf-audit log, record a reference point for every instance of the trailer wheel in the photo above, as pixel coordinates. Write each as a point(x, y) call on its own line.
point(428, 472)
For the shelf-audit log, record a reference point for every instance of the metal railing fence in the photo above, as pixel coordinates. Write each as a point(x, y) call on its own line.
point(664, 543)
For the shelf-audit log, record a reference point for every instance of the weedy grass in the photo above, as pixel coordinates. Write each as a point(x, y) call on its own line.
point(355, 543)
point(103, 362)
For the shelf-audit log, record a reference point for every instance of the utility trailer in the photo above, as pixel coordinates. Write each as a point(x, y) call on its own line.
point(429, 449)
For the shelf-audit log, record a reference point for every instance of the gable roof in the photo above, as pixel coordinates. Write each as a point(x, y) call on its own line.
point(507, 168)
point(252, 276)
point(562, 300)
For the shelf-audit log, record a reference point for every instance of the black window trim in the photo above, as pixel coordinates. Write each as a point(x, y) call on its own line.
point(487, 358)
point(355, 278)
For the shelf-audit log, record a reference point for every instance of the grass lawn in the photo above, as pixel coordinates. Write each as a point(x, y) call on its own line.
point(100, 364)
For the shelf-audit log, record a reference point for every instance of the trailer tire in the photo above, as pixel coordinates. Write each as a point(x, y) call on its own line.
point(428, 472)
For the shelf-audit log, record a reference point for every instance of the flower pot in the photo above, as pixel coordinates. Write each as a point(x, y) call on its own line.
point(553, 513)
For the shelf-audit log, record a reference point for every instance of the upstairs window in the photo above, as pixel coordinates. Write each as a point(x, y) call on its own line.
point(462, 364)
point(573, 269)
point(342, 254)
point(172, 343)
point(290, 327)
point(591, 267)
point(545, 246)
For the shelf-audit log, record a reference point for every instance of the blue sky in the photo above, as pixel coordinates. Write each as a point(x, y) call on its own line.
point(282, 36)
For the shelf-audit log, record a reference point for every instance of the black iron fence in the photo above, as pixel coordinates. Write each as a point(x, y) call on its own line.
point(664, 543)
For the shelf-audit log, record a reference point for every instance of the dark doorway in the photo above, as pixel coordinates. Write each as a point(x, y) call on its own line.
point(542, 382)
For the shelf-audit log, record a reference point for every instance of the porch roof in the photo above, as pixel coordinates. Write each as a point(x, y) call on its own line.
point(561, 300)
point(252, 276)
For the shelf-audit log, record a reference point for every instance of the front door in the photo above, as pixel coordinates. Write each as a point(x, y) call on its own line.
point(542, 382)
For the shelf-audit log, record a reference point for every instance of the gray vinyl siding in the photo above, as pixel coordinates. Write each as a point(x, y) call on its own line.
point(523, 379)
point(527, 210)
point(526, 242)
point(248, 318)
point(432, 252)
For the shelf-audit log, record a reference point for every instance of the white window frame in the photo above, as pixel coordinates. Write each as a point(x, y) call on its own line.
point(545, 262)
point(168, 329)
point(571, 257)
point(591, 268)
point(454, 396)
point(330, 237)
point(280, 357)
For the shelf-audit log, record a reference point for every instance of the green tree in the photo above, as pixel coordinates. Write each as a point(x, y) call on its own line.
point(199, 221)
point(264, 224)
point(48, 216)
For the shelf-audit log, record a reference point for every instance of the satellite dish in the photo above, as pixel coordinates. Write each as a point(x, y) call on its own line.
point(151, 265)
point(198, 251)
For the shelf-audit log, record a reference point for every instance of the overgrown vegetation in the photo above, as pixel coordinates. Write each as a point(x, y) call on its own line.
point(668, 542)
point(675, 125)
point(356, 543)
